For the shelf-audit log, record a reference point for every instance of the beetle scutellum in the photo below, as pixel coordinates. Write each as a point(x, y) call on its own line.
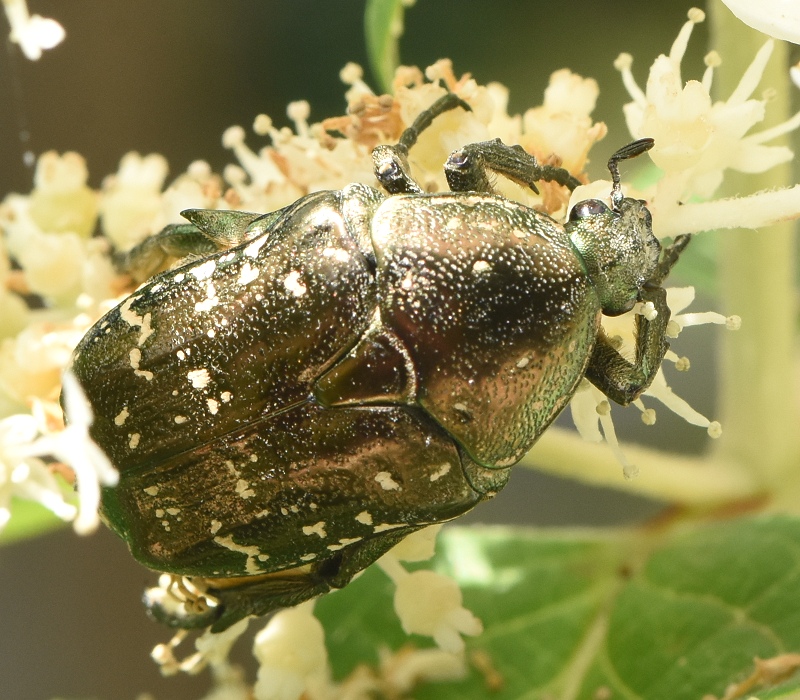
point(330, 377)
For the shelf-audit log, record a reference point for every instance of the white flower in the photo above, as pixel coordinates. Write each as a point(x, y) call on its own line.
point(213, 650)
point(32, 33)
point(25, 476)
point(61, 201)
point(131, 204)
point(562, 125)
point(777, 18)
point(292, 655)
point(430, 604)
point(407, 668)
point(697, 139)
point(75, 448)
point(418, 546)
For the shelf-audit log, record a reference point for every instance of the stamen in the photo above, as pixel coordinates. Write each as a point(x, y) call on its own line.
point(681, 42)
point(752, 76)
point(712, 60)
point(623, 65)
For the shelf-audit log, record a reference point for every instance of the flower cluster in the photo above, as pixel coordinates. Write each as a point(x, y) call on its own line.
point(61, 236)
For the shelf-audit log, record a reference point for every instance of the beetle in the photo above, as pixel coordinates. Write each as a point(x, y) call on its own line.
point(319, 382)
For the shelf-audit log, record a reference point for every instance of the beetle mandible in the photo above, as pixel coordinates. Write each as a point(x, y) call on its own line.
point(328, 378)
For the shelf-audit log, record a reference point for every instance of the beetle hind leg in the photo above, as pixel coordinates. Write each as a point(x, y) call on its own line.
point(467, 168)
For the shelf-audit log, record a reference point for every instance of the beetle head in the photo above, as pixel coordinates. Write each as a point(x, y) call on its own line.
point(617, 245)
point(618, 249)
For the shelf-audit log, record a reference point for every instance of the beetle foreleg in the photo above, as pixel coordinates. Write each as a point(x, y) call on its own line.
point(619, 379)
point(466, 169)
point(669, 257)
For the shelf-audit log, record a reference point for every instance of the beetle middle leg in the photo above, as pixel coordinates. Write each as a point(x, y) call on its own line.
point(619, 379)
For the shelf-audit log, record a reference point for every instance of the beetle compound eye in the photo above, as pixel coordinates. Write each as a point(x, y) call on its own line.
point(588, 207)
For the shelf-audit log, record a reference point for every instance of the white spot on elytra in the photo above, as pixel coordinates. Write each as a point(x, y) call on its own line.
point(252, 250)
point(180, 419)
point(210, 301)
point(523, 362)
point(181, 355)
point(211, 332)
point(151, 490)
point(199, 378)
point(133, 440)
point(339, 254)
point(248, 274)
point(386, 481)
point(243, 489)
point(408, 280)
point(215, 526)
point(316, 529)
point(251, 552)
point(226, 396)
point(135, 356)
point(308, 557)
point(481, 266)
point(203, 271)
point(343, 543)
point(213, 406)
point(444, 469)
point(383, 527)
point(133, 319)
point(364, 517)
point(180, 277)
point(293, 284)
point(122, 416)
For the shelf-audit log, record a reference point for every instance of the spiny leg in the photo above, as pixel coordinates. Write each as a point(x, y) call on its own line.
point(619, 379)
point(210, 230)
point(391, 162)
point(467, 168)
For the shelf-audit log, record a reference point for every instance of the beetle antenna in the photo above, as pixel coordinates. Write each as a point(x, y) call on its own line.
point(632, 150)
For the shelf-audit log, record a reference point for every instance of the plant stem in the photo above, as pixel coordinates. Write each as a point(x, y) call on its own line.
point(757, 408)
point(692, 481)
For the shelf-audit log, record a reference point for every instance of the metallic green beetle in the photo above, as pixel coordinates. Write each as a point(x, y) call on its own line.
point(333, 376)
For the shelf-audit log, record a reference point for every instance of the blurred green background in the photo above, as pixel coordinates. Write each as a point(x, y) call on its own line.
point(169, 76)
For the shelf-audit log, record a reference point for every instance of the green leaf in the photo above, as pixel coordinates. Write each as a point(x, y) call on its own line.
point(28, 519)
point(571, 615)
point(383, 27)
